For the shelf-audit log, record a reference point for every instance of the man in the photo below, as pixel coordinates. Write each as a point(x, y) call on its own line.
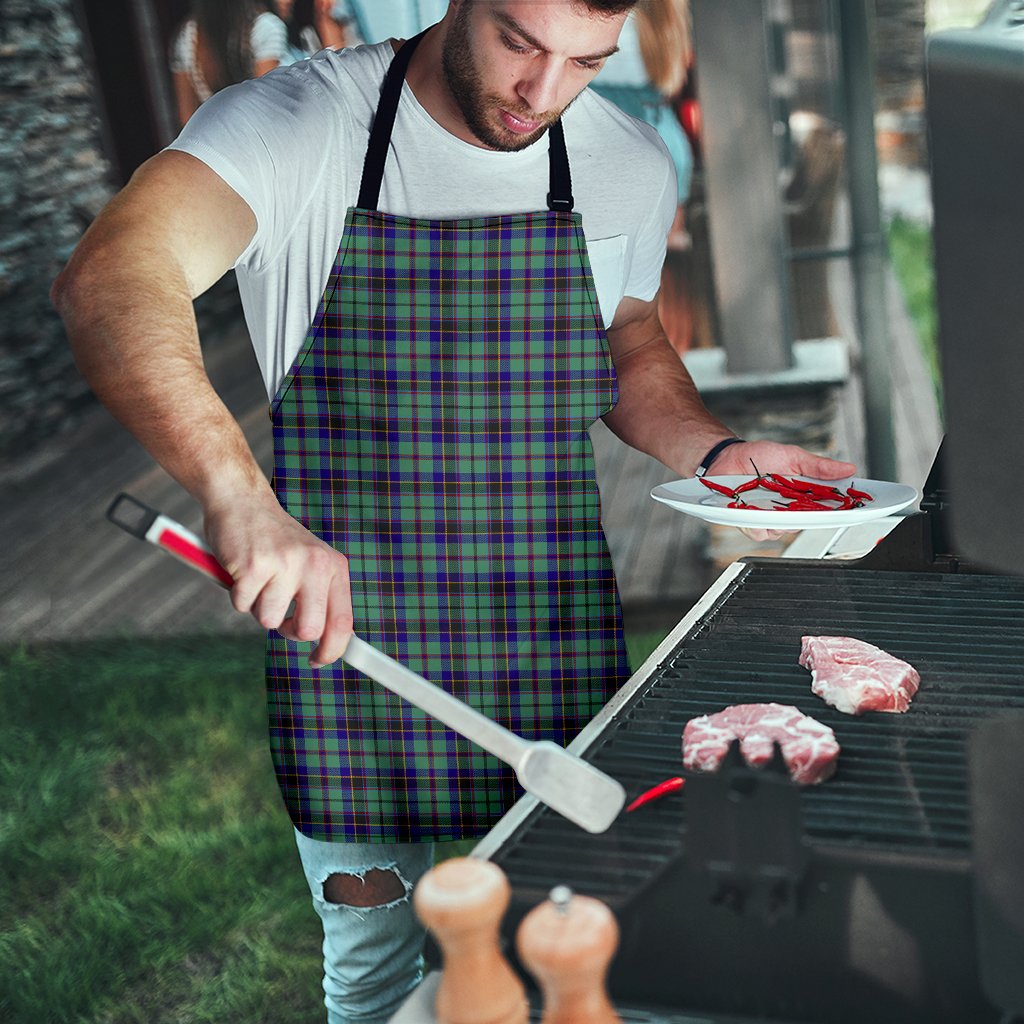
point(432, 379)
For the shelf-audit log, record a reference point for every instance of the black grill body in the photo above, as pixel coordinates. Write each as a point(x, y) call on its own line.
point(844, 902)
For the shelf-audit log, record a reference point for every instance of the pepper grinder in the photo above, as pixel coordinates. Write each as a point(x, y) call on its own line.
point(462, 901)
point(567, 943)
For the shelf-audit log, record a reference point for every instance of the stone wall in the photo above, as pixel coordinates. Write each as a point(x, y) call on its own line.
point(54, 178)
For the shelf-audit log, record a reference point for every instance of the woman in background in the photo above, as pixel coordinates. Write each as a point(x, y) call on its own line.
point(647, 74)
point(645, 79)
point(313, 25)
point(221, 43)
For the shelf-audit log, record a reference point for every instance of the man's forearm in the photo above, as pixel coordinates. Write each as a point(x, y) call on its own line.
point(133, 333)
point(660, 411)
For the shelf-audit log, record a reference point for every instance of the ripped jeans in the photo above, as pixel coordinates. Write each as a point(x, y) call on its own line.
point(373, 943)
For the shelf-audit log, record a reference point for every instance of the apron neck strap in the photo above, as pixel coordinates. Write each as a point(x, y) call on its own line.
point(383, 122)
point(560, 185)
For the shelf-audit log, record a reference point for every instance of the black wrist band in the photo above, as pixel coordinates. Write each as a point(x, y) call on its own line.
point(705, 463)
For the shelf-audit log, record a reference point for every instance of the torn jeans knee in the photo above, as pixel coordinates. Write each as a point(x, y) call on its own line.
point(380, 887)
point(372, 954)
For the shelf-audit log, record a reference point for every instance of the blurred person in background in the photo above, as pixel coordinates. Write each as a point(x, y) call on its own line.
point(372, 21)
point(646, 78)
point(221, 43)
point(314, 25)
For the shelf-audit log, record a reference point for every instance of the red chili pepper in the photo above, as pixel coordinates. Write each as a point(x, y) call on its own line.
point(821, 490)
point(721, 488)
point(656, 793)
point(788, 492)
point(749, 485)
point(793, 485)
point(862, 495)
point(807, 505)
point(809, 487)
point(770, 484)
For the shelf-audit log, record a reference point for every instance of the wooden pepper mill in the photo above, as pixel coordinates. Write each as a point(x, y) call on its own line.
point(462, 901)
point(567, 943)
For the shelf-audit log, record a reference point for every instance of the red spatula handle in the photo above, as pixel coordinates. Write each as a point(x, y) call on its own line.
point(147, 524)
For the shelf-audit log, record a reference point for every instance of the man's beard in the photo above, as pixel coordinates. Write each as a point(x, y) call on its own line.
point(464, 83)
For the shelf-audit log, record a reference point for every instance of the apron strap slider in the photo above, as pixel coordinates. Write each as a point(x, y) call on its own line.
point(560, 204)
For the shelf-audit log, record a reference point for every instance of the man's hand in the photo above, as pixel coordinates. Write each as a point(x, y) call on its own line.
point(772, 457)
point(276, 561)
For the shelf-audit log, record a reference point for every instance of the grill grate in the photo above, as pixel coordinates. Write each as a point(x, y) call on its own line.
point(901, 787)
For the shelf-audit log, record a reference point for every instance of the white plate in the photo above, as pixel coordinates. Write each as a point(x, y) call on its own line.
point(693, 498)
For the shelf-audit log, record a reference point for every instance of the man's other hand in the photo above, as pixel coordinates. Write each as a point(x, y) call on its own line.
point(772, 457)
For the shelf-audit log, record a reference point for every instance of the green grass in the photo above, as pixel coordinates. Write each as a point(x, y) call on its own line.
point(148, 872)
point(910, 248)
point(147, 867)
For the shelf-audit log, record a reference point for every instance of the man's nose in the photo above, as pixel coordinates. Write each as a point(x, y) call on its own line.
point(538, 89)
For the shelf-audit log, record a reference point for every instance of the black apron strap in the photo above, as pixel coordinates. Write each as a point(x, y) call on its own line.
point(560, 184)
point(383, 122)
point(560, 195)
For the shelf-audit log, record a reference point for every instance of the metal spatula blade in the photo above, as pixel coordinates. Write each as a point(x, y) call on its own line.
point(574, 788)
point(565, 783)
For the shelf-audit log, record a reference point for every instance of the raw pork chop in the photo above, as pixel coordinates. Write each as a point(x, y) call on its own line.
point(809, 748)
point(855, 677)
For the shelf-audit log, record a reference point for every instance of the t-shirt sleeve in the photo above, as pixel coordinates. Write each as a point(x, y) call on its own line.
point(269, 38)
point(652, 235)
point(269, 140)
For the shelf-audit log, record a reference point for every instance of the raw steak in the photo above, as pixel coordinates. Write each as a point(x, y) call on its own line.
point(855, 677)
point(809, 748)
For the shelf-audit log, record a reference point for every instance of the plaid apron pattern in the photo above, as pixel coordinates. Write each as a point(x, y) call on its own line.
point(434, 430)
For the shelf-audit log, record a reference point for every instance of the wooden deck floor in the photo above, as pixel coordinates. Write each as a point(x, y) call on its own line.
point(69, 574)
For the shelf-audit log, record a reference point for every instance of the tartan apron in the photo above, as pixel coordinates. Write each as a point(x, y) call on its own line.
point(434, 430)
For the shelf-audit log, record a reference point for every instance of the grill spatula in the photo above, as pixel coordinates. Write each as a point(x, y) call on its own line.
point(567, 784)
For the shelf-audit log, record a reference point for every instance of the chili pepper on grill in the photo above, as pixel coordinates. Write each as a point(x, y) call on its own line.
point(656, 793)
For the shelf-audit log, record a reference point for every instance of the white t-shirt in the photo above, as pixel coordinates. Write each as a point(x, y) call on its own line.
point(292, 144)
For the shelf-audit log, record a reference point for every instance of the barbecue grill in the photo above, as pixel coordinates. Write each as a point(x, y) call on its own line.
point(746, 897)
point(894, 892)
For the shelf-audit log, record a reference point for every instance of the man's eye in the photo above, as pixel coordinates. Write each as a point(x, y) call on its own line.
point(513, 46)
point(590, 65)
